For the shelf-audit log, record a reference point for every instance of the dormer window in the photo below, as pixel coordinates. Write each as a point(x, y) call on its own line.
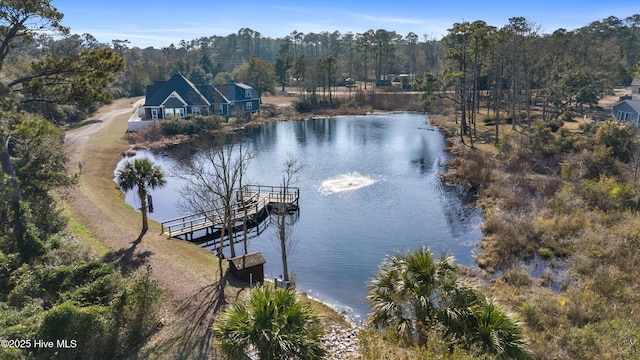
point(247, 93)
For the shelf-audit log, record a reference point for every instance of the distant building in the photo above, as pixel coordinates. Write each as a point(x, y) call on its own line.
point(628, 108)
point(179, 97)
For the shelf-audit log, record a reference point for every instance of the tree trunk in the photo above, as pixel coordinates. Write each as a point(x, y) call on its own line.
point(7, 168)
point(143, 210)
point(221, 245)
point(244, 230)
point(497, 113)
point(229, 228)
point(282, 213)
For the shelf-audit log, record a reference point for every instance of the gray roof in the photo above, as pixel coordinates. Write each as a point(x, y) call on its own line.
point(635, 104)
point(196, 95)
point(635, 81)
point(160, 91)
point(173, 103)
point(625, 105)
point(247, 261)
point(237, 92)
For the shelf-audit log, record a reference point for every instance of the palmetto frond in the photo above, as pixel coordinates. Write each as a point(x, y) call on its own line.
point(414, 291)
point(499, 333)
point(273, 323)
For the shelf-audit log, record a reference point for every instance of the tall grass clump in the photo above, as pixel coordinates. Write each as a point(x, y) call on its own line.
point(471, 167)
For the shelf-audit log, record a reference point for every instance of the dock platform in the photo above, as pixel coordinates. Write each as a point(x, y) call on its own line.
point(252, 204)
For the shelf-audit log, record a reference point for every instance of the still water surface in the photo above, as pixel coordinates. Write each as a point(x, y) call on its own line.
point(369, 188)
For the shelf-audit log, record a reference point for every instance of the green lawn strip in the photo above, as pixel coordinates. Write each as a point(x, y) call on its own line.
point(84, 235)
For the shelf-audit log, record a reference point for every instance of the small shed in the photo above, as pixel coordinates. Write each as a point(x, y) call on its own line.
point(249, 267)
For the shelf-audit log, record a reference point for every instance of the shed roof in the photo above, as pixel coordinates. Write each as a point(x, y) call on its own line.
point(247, 261)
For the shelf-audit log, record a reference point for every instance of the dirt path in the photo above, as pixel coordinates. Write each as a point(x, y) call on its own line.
point(78, 137)
point(187, 273)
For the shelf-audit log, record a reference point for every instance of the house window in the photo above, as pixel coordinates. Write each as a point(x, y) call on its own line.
point(247, 93)
point(195, 110)
point(624, 116)
point(621, 115)
point(249, 105)
point(174, 112)
point(154, 114)
point(221, 109)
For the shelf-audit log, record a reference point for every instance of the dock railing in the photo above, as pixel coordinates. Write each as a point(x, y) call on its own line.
point(275, 193)
point(250, 200)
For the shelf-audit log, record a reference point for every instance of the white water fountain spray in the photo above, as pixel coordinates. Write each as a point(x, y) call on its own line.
point(345, 182)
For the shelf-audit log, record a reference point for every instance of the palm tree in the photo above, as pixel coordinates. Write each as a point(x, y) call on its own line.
point(414, 291)
point(271, 323)
point(141, 175)
point(408, 292)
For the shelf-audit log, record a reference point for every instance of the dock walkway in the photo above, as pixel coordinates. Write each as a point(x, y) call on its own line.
point(252, 204)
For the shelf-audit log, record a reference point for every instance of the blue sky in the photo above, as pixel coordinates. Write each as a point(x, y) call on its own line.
point(161, 23)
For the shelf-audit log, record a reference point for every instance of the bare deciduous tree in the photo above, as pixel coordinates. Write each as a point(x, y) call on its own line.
point(282, 214)
point(211, 178)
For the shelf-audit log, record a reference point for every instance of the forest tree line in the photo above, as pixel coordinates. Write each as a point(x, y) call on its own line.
point(510, 66)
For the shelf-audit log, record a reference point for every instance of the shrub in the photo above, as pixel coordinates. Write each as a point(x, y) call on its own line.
point(375, 345)
point(489, 120)
point(192, 124)
point(475, 168)
point(585, 307)
point(136, 311)
point(152, 132)
point(608, 194)
point(305, 105)
point(532, 315)
point(517, 276)
point(589, 127)
point(600, 161)
point(86, 328)
point(618, 138)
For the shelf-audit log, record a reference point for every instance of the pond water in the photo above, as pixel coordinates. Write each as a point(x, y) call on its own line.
point(369, 188)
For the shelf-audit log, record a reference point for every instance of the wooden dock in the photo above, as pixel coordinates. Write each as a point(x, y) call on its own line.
point(252, 204)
